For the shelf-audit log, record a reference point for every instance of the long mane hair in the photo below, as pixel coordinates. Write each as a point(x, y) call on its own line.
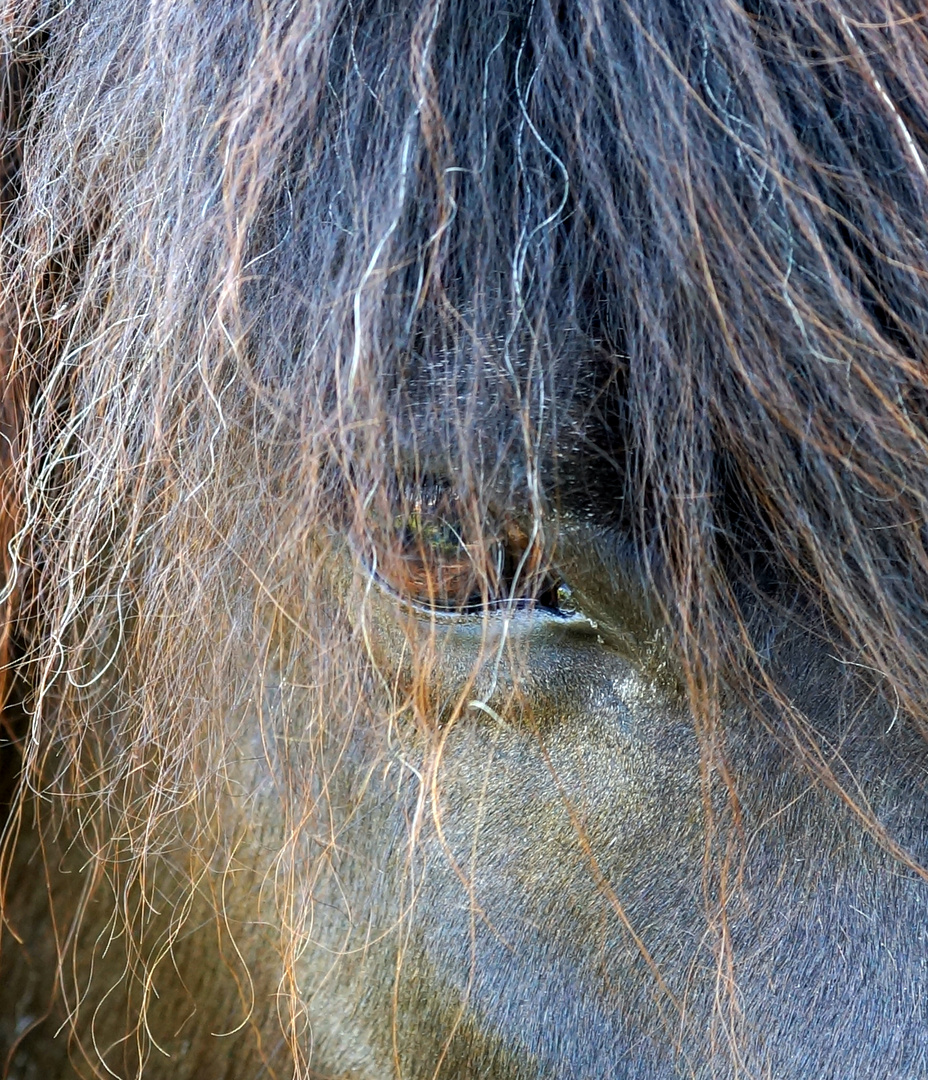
point(266, 268)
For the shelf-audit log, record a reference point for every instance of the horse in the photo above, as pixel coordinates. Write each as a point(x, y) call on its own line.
point(464, 507)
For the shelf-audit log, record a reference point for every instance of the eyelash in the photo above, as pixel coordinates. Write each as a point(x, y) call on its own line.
point(427, 561)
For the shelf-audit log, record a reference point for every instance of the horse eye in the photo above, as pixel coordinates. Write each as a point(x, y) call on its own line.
point(436, 560)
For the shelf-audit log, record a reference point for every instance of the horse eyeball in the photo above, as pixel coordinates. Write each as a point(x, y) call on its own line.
point(438, 555)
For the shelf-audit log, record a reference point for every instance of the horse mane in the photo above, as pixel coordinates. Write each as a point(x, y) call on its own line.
point(661, 262)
